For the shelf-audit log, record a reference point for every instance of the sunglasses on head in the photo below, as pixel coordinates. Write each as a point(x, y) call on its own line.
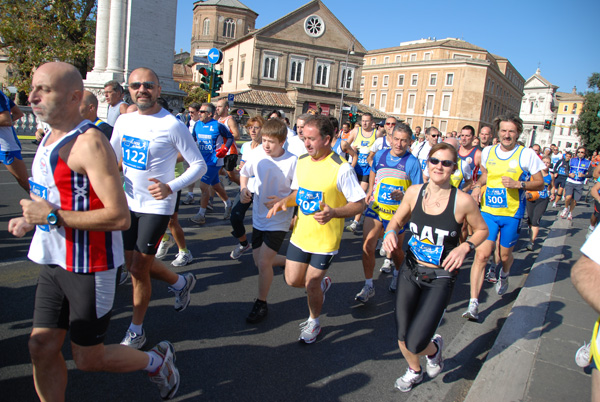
point(445, 163)
point(137, 85)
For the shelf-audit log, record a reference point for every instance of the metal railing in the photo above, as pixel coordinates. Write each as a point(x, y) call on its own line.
point(26, 125)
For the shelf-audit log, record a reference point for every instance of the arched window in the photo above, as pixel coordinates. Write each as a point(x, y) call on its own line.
point(229, 28)
point(206, 27)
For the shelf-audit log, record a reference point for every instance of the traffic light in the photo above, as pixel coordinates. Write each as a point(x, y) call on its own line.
point(352, 117)
point(206, 74)
point(217, 82)
point(547, 124)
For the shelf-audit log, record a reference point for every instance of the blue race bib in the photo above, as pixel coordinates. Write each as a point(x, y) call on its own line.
point(426, 252)
point(362, 159)
point(384, 194)
point(496, 198)
point(135, 152)
point(308, 201)
point(41, 192)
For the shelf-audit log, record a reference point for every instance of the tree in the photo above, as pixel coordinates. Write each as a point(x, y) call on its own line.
point(33, 32)
point(194, 93)
point(588, 124)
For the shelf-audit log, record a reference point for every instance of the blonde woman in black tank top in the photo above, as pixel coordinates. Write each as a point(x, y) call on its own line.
point(435, 212)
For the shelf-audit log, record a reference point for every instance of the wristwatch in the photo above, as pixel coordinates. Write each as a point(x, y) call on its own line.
point(471, 246)
point(523, 185)
point(52, 218)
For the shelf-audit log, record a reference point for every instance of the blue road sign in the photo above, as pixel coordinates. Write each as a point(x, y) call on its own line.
point(215, 56)
point(230, 97)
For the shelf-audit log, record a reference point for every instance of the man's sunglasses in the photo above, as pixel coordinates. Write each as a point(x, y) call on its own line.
point(137, 85)
point(445, 163)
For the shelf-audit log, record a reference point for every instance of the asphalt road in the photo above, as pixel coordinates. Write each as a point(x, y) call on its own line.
point(222, 358)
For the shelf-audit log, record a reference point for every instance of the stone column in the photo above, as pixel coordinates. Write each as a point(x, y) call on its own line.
point(101, 51)
point(116, 36)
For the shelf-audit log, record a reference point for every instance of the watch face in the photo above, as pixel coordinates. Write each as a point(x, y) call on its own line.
point(52, 218)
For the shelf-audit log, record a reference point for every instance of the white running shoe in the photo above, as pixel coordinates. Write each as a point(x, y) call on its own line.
point(435, 365)
point(472, 312)
point(134, 340)
point(570, 216)
point(386, 268)
point(183, 296)
point(309, 330)
point(238, 251)
point(410, 378)
point(490, 275)
point(583, 357)
point(183, 259)
point(227, 213)
point(199, 218)
point(163, 247)
point(188, 199)
point(365, 294)
point(502, 285)
point(167, 375)
point(352, 227)
point(564, 213)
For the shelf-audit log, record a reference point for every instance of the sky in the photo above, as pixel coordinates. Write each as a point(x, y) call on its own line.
point(561, 37)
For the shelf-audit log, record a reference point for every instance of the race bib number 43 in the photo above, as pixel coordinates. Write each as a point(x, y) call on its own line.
point(496, 198)
point(308, 201)
point(135, 152)
point(384, 195)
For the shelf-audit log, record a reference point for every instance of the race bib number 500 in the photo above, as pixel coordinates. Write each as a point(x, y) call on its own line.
point(308, 201)
point(496, 198)
point(135, 152)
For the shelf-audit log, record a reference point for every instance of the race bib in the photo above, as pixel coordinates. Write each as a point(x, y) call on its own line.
point(205, 145)
point(384, 194)
point(308, 201)
point(496, 198)
point(41, 192)
point(544, 194)
point(426, 252)
point(135, 152)
point(362, 159)
point(423, 164)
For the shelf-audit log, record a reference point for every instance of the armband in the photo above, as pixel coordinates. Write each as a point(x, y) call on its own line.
point(388, 232)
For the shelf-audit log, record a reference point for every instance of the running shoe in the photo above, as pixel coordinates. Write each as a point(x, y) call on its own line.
point(589, 232)
point(352, 227)
point(583, 357)
point(393, 283)
point(183, 258)
point(134, 340)
point(490, 275)
point(386, 268)
point(167, 375)
point(238, 251)
point(209, 206)
point(199, 218)
point(435, 364)
point(164, 246)
point(564, 213)
point(530, 246)
point(325, 285)
point(379, 245)
point(554, 204)
point(502, 285)
point(258, 313)
point(227, 213)
point(309, 330)
point(188, 199)
point(183, 296)
point(365, 294)
point(410, 378)
point(570, 216)
point(472, 312)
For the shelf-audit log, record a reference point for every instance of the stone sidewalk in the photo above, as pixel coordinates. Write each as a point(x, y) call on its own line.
point(533, 358)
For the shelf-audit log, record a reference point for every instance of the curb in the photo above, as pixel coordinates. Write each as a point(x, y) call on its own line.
point(505, 373)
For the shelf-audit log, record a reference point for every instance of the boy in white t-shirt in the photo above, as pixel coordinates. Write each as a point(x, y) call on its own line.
point(273, 170)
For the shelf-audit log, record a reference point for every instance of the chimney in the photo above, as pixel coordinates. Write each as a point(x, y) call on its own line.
point(574, 90)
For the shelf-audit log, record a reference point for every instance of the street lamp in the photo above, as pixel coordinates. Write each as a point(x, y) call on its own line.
point(345, 79)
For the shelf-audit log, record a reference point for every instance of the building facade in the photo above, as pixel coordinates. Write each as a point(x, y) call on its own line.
point(305, 59)
point(538, 106)
point(565, 134)
point(446, 83)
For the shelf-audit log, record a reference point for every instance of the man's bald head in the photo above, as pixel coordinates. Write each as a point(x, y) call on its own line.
point(62, 74)
point(144, 70)
point(89, 106)
point(452, 141)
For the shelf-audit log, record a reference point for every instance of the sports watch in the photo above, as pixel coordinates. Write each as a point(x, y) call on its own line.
point(471, 246)
point(52, 218)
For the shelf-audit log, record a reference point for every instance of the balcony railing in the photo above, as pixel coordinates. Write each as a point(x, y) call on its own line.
point(26, 125)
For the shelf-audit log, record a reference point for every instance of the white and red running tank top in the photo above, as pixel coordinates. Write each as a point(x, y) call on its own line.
point(233, 148)
point(79, 251)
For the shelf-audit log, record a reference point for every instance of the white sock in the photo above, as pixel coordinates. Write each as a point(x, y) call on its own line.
point(202, 211)
point(369, 282)
point(179, 284)
point(504, 274)
point(136, 328)
point(476, 301)
point(154, 362)
point(190, 194)
point(316, 320)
